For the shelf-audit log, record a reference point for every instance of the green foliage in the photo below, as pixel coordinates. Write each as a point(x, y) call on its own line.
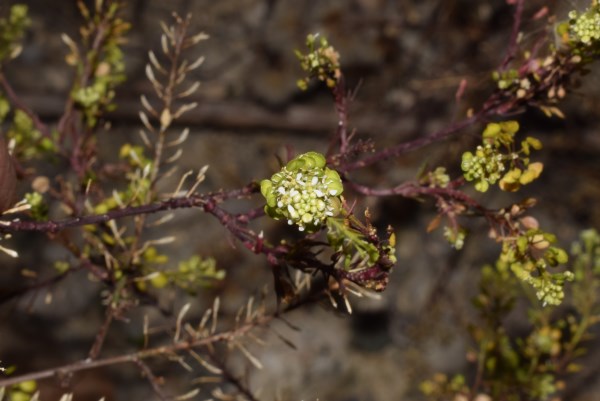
point(586, 268)
point(357, 246)
point(38, 206)
point(531, 366)
point(321, 61)
point(29, 141)
point(437, 178)
point(497, 160)
point(304, 192)
point(440, 385)
point(23, 391)
point(12, 30)
point(4, 107)
point(100, 67)
point(530, 255)
point(191, 275)
point(506, 79)
point(455, 236)
point(350, 244)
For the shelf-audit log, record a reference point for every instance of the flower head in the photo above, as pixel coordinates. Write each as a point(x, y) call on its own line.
point(304, 192)
point(585, 27)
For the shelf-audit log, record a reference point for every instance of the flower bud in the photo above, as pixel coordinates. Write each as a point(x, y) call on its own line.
point(304, 192)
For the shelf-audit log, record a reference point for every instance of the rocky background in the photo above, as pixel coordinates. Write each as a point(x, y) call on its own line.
point(406, 59)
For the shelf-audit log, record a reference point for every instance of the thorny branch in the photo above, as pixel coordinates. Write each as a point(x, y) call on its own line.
point(183, 345)
point(192, 201)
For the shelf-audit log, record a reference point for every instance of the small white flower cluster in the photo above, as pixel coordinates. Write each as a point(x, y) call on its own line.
point(304, 192)
point(586, 27)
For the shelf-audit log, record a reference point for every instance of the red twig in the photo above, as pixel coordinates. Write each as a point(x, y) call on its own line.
point(172, 203)
point(513, 44)
point(406, 147)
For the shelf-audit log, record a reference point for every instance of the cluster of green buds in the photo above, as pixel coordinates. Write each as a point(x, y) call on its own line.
point(506, 79)
point(497, 160)
point(485, 167)
point(529, 256)
point(322, 61)
point(191, 275)
point(585, 27)
point(437, 178)
point(304, 192)
point(12, 31)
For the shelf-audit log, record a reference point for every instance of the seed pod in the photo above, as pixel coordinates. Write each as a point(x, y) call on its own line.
point(8, 178)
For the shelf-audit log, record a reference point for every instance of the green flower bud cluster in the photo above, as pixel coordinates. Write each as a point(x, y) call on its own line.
point(437, 178)
point(24, 391)
point(39, 208)
point(485, 167)
point(322, 61)
point(497, 160)
point(529, 256)
point(190, 275)
point(587, 253)
point(29, 142)
point(585, 28)
point(440, 386)
point(12, 31)
point(304, 192)
point(506, 79)
point(586, 267)
point(455, 236)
